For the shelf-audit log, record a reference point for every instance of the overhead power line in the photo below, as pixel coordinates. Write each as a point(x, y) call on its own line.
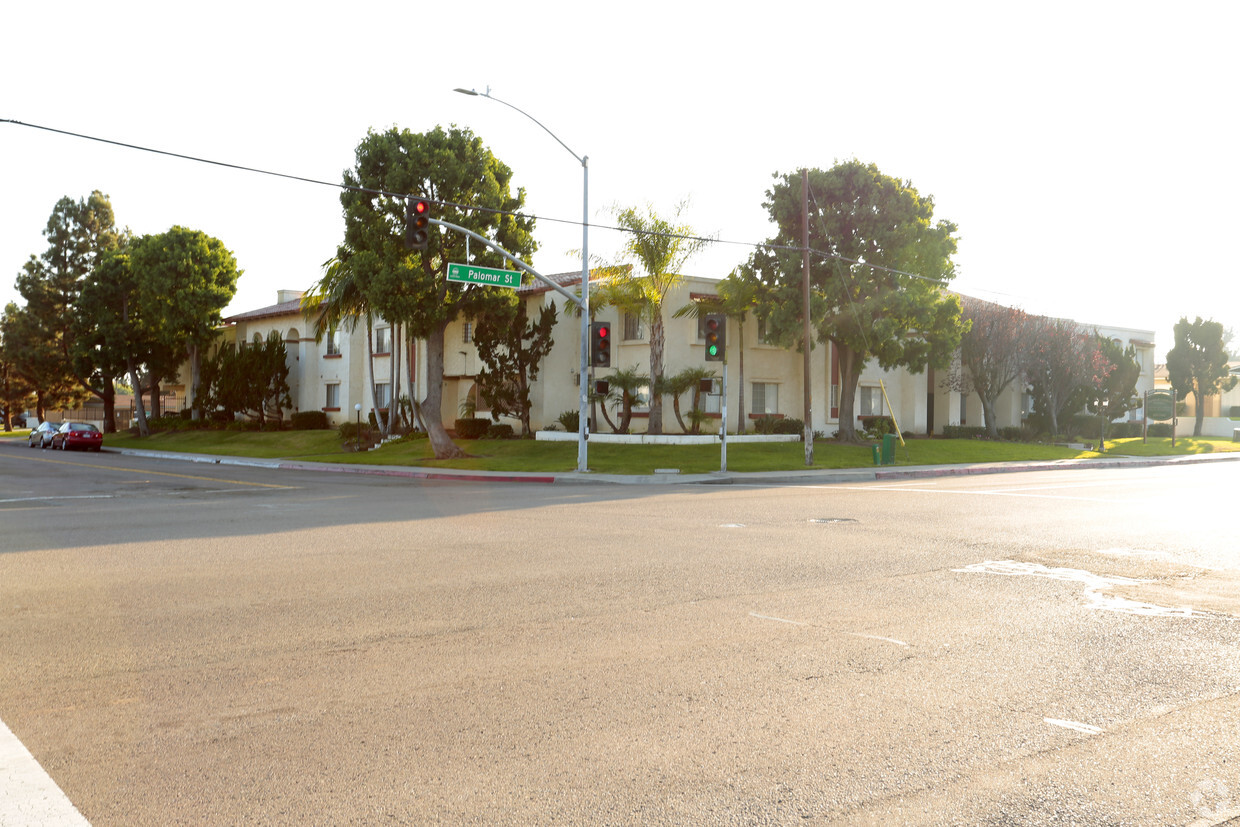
point(465, 207)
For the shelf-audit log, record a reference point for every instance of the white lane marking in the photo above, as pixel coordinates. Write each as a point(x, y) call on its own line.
point(28, 795)
point(879, 637)
point(74, 497)
point(1088, 729)
point(777, 619)
point(1094, 586)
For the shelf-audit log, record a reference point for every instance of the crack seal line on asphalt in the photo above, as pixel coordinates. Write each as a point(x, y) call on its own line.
point(851, 634)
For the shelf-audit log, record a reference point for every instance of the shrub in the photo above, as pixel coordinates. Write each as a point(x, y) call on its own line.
point(570, 420)
point(1012, 433)
point(1234, 412)
point(309, 421)
point(963, 432)
point(789, 425)
point(1160, 429)
point(876, 426)
point(499, 430)
point(471, 428)
point(349, 432)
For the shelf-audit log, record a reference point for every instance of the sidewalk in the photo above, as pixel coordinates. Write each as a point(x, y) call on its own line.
point(810, 477)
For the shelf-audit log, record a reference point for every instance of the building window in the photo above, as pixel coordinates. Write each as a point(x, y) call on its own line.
point(468, 335)
point(333, 396)
point(871, 401)
point(383, 395)
point(383, 340)
point(711, 401)
point(764, 332)
point(765, 398)
point(333, 341)
point(633, 328)
point(964, 405)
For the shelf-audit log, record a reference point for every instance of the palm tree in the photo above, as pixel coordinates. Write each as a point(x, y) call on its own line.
point(737, 296)
point(687, 380)
point(623, 388)
point(338, 301)
point(661, 248)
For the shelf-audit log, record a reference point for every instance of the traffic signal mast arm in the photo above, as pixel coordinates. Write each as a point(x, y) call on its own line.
point(520, 264)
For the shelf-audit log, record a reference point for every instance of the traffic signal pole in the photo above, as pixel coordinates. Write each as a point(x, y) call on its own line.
point(723, 428)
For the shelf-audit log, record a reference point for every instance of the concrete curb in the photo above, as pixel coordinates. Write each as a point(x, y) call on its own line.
point(817, 477)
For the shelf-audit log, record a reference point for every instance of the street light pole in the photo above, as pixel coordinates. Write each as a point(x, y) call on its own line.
point(583, 410)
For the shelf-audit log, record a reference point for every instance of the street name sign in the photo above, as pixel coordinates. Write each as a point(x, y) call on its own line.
point(473, 274)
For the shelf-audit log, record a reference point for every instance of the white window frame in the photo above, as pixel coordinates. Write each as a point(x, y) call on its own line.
point(761, 399)
point(333, 341)
point(634, 327)
point(867, 397)
point(333, 395)
point(383, 395)
point(383, 340)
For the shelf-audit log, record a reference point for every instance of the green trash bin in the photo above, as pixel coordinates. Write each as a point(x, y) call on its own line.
point(889, 449)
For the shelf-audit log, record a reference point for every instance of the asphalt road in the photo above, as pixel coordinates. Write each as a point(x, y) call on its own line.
point(186, 644)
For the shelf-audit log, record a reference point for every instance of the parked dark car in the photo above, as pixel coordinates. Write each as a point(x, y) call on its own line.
point(73, 435)
point(41, 435)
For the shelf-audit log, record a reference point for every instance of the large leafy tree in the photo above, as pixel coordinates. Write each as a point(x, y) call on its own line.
point(1115, 374)
point(250, 379)
point(659, 247)
point(78, 233)
point(37, 358)
point(469, 187)
point(16, 393)
point(119, 333)
point(1060, 368)
point(994, 353)
point(878, 267)
point(512, 347)
point(1197, 363)
point(185, 279)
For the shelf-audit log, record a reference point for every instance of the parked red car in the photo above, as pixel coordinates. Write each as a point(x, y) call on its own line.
point(77, 435)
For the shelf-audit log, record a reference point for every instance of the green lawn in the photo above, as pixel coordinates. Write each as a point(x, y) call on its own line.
point(530, 455)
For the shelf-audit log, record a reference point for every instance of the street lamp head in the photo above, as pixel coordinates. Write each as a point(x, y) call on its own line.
point(466, 91)
point(357, 407)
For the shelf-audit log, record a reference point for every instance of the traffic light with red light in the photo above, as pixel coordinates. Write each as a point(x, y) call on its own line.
point(600, 344)
point(417, 221)
point(716, 336)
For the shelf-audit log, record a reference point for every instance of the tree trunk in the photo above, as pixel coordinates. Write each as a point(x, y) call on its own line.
point(740, 391)
point(155, 408)
point(144, 430)
point(850, 374)
point(657, 338)
point(109, 406)
point(191, 351)
point(1199, 413)
point(441, 443)
point(989, 416)
point(370, 375)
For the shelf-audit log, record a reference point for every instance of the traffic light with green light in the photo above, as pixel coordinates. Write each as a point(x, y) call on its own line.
point(716, 336)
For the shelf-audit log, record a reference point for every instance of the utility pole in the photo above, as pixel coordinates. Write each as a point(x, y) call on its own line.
point(809, 418)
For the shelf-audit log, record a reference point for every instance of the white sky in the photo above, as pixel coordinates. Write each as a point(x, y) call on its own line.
point(1087, 151)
